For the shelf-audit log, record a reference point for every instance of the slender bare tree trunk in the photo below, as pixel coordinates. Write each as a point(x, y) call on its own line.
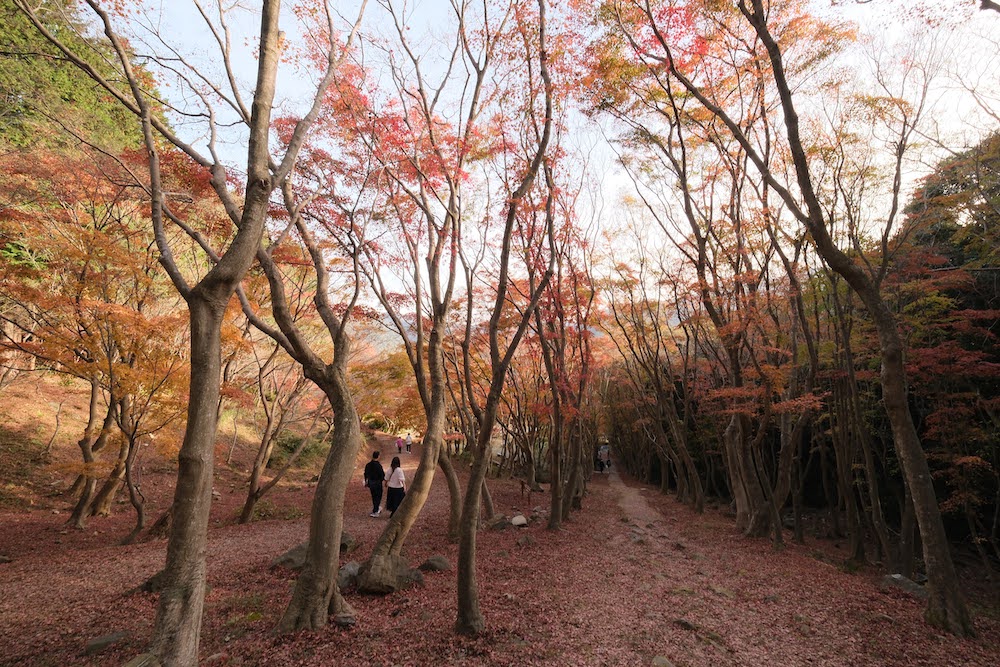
point(454, 494)
point(132, 480)
point(470, 619)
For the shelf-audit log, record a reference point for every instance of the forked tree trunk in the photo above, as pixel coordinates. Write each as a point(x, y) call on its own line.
point(177, 630)
point(105, 498)
point(90, 443)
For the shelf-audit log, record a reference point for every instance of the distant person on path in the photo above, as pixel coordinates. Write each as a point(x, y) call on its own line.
point(397, 487)
point(399, 445)
point(374, 477)
point(605, 459)
point(409, 443)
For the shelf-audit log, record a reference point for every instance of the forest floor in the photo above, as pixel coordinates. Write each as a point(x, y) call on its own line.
point(632, 578)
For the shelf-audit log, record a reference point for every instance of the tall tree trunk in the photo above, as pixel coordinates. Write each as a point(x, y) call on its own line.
point(470, 619)
point(316, 594)
point(946, 607)
point(178, 619)
point(454, 494)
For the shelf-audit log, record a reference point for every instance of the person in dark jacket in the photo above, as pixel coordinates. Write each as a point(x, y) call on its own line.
point(374, 478)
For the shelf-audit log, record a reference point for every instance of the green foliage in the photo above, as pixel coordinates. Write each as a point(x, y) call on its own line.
point(41, 92)
point(264, 510)
point(20, 255)
point(956, 210)
point(377, 421)
point(311, 456)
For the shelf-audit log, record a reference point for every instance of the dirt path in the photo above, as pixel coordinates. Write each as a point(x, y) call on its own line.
point(632, 501)
point(633, 577)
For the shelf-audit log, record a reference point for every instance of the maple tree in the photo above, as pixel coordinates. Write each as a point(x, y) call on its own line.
point(656, 49)
point(82, 284)
point(562, 321)
point(528, 213)
point(424, 163)
point(181, 601)
point(769, 272)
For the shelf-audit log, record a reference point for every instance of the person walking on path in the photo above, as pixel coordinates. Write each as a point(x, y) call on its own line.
point(605, 459)
point(409, 443)
point(396, 487)
point(399, 445)
point(374, 477)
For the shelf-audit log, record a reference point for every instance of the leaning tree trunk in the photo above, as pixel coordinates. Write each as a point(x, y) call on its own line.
point(316, 594)
point(946, 607)
point(259, 464)
point(390, 542)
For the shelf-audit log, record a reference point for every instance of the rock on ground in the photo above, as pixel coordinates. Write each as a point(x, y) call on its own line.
point(436, 563)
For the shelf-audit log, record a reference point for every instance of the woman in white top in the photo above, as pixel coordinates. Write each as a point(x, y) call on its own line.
point(397, 486)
